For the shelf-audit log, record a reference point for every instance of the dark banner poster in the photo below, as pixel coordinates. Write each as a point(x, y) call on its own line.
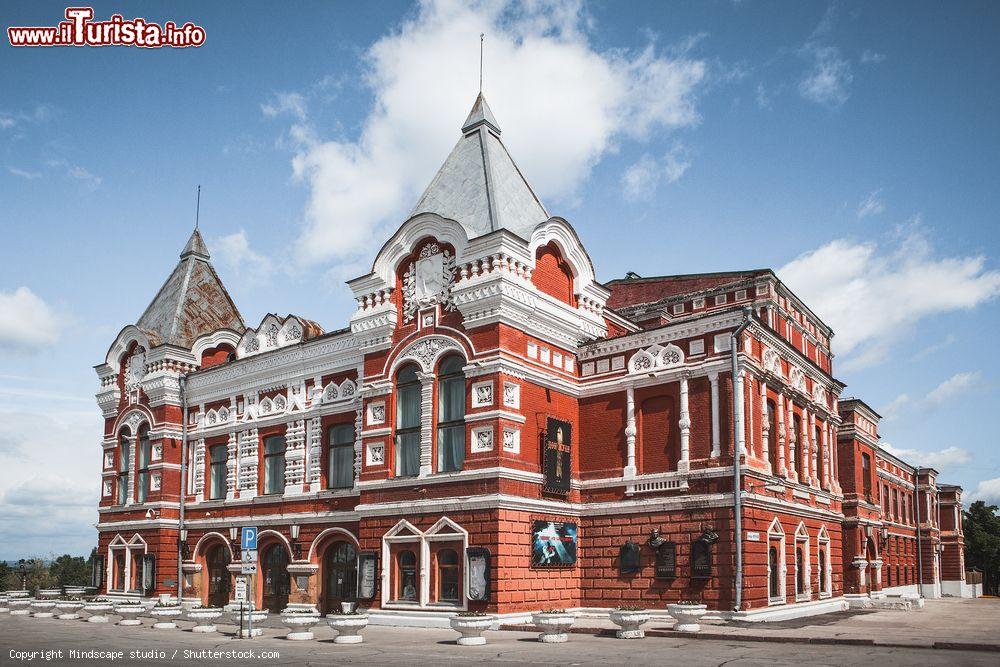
point(558, 445)
point(553, 543)
point(666, 561)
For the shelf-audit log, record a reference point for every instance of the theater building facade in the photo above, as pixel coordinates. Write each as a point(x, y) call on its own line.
point(496, 430)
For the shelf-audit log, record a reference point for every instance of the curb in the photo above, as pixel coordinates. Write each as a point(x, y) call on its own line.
point(777, 639)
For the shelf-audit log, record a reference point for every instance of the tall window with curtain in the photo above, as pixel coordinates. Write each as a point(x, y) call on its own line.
point(340, 470)
point(407, 422)
point(866, 476)
point(124, 462)
point(217, 456)
point(143, 463)
point(774, 591)
point(772, 437)
point(818, 462)
point(451, 415)
point(796, 434)
point(274, 464)
point(822, 570)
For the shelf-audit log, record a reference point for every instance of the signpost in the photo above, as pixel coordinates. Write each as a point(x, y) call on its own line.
point(248, 566)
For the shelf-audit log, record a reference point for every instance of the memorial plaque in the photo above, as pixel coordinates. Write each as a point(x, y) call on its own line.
point(558, 450)
point(628, 558)
point(666, 560)
point(701, 559)
point(367, 575)
point(479, 573)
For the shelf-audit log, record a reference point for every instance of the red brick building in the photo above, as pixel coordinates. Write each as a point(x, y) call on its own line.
point(497, 430)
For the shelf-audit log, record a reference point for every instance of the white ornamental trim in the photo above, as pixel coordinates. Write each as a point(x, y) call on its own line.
point(482, 394)
point(482, 439)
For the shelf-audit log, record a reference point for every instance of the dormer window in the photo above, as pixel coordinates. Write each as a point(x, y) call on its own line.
point(408, 417)
point(451, 414)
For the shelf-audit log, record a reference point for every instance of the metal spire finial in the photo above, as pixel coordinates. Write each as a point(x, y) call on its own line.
point(482, 37)
point(197, 210)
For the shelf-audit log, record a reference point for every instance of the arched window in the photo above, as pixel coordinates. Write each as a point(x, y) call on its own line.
point(143, 462)
point(800, 572)
point(448, 586)
point(408, 419)
point(822, 570)
point(866, 476)
point(218, 576)
point(407, 575)
point(796, 434)
point(274, 464)
point(217, 457)
point(340, 468)
point(774, 573)
point(885, 500)
point(895, 505)
point(124, 464)
point(772, 437)
point(451, 414)
point(818, 462)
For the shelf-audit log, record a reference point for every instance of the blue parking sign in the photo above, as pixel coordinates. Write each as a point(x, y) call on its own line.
point(248, 537)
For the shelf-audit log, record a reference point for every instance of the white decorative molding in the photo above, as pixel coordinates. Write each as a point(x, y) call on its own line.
point(428, 281)
point(376, 413)
point(482, 439)
point(654, 358)
point(375, 454)
point(426, 352)
point(482, 394)
point(511, 440)
point(772, 362)
point(511, 395)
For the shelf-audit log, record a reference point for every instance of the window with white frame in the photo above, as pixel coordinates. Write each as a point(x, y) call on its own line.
point(802, 583)
point(124, 464)
point(217, 461)
point(824, 563)
point(340, 459)
point(142, 468)
point(698, 303)
point(451, 414)
point(720, 299)
point(274, 465)
point(408, 418)
point(776, 563)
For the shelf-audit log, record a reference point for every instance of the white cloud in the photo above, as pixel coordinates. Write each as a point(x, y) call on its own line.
point(562, 104)
point(234, 252)
point(895, 407)
point(27, 323)
point(762, 98)
point(948, 341)
point(988, 490)
point(639, 182)
point(30, 175)
point(6, 122)
point(292, 104)
point(939, 460)
point(956, 385)
point(829, 78)
point(870, 57)
point(872, 205)
point(90, 181)
point(871, 296)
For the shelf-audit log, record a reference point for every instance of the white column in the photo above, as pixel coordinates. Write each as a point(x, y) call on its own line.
point(630, 469)
point(713, 378)
point(765, 449)
point(782, 468)
point(825, 453)
point(740, 399)
point(813, 449)
point(133, 467)
point(793, 444)
point(426, 419)
point(685, 425)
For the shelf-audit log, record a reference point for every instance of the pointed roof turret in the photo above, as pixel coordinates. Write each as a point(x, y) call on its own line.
point(192, 301)
point(479, 186)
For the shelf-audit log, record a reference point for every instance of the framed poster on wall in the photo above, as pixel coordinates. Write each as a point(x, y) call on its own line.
point(553, 544)
point(367, 575)
point(479, 573)
point(557, 455)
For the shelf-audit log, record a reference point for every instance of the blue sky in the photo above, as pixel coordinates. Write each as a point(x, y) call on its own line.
point(850, 146)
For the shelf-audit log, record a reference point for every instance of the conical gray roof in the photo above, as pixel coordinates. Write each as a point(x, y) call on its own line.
point(479, 185)
point(192, 302)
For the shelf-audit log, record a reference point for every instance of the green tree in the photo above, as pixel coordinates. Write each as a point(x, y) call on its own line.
point(981, 526)
point(35, 575)
point(70, 571)
point(4, 571)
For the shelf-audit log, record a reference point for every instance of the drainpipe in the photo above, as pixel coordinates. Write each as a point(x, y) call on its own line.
point(734, 338)
point(920, 555)
point(183, 484)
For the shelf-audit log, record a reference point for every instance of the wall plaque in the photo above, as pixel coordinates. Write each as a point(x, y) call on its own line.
point(367, 575)
point(701, 559)
point(628, 558)
point(479, 573)
point(666, 560)
point(558, 449)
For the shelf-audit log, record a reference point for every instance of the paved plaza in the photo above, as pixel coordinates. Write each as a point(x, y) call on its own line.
point(842, 639)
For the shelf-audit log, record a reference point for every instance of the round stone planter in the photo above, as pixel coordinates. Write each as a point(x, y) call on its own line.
point(49, 593)
point(97, 611)
point(300, 625)
point(630, 622)
point(554, 627)
point(76, 590)
point(3, 604)
point(68, 609)
point(165, 617)
point(19, 606)
point(348, 627)
point(258, 616)
point(471, 628)
point(43, 608)
point(203, 618)
point(130, 614)
point(687, 616)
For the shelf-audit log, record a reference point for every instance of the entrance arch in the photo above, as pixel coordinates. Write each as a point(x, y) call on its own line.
point(217, 572)
point(340, 575)
point(276, 582)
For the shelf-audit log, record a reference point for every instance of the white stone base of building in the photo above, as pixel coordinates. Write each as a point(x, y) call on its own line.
point(786, 612)
point(960, 589)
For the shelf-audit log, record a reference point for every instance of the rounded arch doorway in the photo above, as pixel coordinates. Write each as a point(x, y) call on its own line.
point(340, 568)
point(276, 582)
point(217, 567)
